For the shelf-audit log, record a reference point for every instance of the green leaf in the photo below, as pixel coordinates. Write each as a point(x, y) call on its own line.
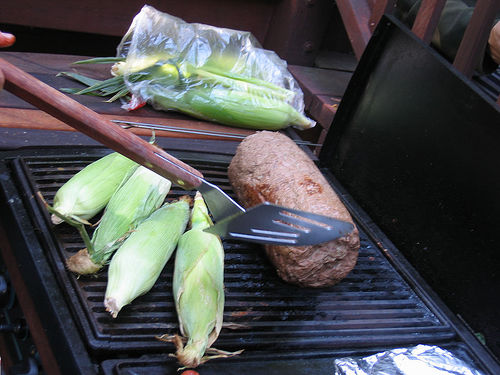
point(80, 78)
point(76, 91)
point(110, 86)
point(100, 60)
point(118, 95)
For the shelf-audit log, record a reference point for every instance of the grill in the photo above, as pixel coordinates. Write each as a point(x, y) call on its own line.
point(373, 307)
point(383, 303)
point(490, 84)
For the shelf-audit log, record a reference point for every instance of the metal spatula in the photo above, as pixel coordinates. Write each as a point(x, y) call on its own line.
point(266, 223)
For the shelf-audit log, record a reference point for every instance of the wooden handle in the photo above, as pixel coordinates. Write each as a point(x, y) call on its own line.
point(92, 124)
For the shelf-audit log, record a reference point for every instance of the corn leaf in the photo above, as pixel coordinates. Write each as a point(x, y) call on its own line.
point(75, 92)
point(198, 287)
point(110, 85)
point(100, 60)
point(137, 264)
point(120, 94)
point(88, 191)
point(139, 196)
point(80, 78)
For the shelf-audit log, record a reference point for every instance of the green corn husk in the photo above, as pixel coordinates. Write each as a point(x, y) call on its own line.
point(207, 76)
point(159, 73)
point(238, 108)
point(133, 202)
point(87, 192)
point(138, 262)
point(198, 287)
point(209, 93)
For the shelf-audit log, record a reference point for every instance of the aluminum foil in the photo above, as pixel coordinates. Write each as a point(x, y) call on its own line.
point(418, 360)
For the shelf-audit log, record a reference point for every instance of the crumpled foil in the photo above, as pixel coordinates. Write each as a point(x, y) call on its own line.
point(418, 360)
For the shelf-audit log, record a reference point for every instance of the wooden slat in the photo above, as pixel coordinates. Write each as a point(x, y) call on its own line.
point(16, 113)
point(20, 118)
point(109, 17)
point(292, 28)
point(356, 16)
point(297, 28)
point(323, 89)
point(427, 19)
point(476, 36)
point(380, 8)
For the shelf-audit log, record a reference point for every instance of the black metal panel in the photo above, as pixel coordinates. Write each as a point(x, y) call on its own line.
point(60, 329)
point(417, 147)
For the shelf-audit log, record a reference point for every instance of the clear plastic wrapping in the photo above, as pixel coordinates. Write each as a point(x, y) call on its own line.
point(211, 73)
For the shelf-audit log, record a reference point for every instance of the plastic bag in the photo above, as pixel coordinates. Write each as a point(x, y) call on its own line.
point(211, 73)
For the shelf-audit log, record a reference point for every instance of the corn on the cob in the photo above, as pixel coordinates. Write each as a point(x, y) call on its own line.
point(138, 262)
point(207, 92)
point(134, 201)
point(211, 77)
point(87, 192)
point(238, 108)
point(198, 288)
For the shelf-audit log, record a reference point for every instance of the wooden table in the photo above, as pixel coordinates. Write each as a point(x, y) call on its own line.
point(21, 124)
point(18, 114)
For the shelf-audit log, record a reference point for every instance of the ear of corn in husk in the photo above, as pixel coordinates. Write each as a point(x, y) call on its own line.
point(208, 92)
point(198, 289)
point(88, 191)
point(158, 73)
point(239, 108)
point(138, 262)
point(142, 193)
point(162, 58)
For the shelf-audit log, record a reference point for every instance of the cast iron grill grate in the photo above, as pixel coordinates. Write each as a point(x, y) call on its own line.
point(373, 306)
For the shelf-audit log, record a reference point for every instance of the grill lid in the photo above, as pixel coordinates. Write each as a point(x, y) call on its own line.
point(415, 143)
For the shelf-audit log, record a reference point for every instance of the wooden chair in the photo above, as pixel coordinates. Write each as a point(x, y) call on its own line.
point(361, 17)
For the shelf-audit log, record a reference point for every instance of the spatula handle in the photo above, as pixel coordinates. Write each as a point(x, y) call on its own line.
point(97, 127)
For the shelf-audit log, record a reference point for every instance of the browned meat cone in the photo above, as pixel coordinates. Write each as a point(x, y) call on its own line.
point(268, 166)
